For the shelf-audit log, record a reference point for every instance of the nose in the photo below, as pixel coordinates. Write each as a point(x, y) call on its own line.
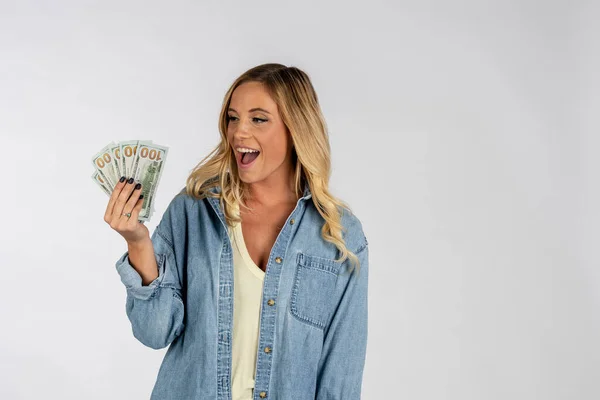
point(242, 129)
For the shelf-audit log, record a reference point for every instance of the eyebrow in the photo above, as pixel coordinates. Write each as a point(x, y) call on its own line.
point(253, 109)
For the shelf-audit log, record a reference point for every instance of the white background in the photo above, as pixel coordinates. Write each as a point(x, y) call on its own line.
point(461, 135)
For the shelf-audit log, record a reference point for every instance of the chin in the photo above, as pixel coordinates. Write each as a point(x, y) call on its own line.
point(249, 178)
point(245, 179)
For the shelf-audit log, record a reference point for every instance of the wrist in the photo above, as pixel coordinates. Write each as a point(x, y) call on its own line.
point(139, 244)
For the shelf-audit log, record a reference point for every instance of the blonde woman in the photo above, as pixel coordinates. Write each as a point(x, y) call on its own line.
point(256, 275)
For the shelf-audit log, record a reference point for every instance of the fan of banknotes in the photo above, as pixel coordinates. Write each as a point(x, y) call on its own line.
point(141, 160)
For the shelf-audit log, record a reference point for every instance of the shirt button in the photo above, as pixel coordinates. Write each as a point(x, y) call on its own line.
point(292, 221)
point(271, 302)
point(278, 260)
point(262, 395)
point(267, 349)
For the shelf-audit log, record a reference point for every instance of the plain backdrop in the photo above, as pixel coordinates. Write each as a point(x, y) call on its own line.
point(464, 136)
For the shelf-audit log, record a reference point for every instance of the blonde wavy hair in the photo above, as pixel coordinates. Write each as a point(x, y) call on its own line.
point(292, 91)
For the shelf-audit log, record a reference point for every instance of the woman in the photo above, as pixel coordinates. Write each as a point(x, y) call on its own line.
point(256, 276)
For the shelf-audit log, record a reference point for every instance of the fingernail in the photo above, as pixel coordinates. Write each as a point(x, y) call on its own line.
point(139, 185)
point(130, 180)
point(141, 196)
point(122, 179)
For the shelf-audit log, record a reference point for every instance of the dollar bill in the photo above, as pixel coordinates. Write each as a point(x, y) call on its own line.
point(104, 163)
point(115, 150)
point(128, 151)
point(128, 155)
point(102, 183)
point(141, 160)
point(148, 166)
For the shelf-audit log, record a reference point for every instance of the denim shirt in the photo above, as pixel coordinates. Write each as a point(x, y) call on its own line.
point(313, 319)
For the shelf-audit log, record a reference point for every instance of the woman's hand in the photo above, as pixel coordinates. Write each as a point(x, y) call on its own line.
point(125, 199)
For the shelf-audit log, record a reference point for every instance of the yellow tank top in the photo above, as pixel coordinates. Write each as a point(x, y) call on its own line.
point(247, 295)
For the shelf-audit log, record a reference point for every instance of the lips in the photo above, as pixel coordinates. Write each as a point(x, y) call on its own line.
point(240, 145)
point(239, 154)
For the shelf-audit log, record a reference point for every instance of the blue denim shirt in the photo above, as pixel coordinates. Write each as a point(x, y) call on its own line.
point(313, 314)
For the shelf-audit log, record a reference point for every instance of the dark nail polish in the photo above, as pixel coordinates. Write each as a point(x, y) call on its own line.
point(122, 179)
point(139, 185)
point(141, 196)
point(130, 181)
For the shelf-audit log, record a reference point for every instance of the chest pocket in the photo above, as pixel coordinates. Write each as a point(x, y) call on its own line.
point(312, 296)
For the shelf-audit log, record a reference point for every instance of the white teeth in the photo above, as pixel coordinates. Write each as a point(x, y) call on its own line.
point(244, 150)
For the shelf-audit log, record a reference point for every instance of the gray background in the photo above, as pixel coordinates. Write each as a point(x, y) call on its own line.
point(462, 135)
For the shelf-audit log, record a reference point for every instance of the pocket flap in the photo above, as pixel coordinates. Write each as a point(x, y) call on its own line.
point(321, 263)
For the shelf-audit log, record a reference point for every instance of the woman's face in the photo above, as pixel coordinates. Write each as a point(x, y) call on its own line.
point(254, 123)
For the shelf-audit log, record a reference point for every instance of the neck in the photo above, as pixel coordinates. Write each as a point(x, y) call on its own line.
point(272, 192)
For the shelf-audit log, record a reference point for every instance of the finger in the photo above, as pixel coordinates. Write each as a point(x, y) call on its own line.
point(133, 199)
point(122, 199)
point(113, 198)
point(135, 213)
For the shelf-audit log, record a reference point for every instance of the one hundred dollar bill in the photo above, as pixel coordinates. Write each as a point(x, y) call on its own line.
point(106, 166)
point(102, 183)
point(148, 166)
point(115, 150)
point(138, 159)
point(128, 151)
point(128, 155)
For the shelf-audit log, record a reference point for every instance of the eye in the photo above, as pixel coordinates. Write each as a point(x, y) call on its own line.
point(255, 119)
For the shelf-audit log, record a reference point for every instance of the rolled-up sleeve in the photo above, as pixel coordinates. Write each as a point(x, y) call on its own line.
point(342, 360)
point(156, 311)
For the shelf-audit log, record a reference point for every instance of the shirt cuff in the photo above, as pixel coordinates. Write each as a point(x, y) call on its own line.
point(133, 281)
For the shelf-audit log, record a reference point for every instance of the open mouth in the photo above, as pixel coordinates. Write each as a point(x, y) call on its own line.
point(248, 158)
